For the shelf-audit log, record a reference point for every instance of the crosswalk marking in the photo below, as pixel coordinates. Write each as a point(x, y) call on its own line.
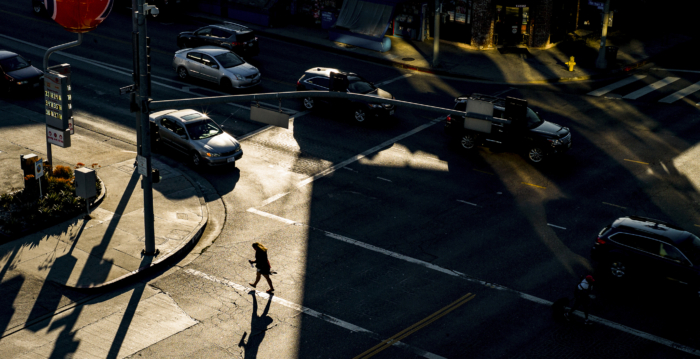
point(681, 93)
point(603, 90)
point(655, 86)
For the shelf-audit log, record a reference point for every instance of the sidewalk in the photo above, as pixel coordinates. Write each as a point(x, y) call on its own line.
point(514, 65)
point(39, 269)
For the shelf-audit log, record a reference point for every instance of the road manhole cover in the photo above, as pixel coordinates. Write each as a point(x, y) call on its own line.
point(408, 59)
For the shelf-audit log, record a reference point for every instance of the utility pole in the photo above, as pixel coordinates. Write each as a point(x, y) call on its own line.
point(436, 36)
point(144, 151)
point(602, 63)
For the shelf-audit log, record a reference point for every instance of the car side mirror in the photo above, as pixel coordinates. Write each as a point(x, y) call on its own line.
point(184, 137)
point(214, 66)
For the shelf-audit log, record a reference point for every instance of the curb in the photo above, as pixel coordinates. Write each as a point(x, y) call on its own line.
point(186, 245)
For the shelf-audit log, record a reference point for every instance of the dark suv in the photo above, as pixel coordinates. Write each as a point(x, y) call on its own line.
point(319, 79)
point(235, 37)
point(533, 136)
point(648, 248)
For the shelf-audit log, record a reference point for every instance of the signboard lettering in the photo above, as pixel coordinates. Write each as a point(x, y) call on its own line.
point(57, 99)
point(58, 137)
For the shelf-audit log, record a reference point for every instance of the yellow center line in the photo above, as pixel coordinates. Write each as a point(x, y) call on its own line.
point(533, 185)
point(488, 173)
point(644, 163)
point(415, 327)
point(614, 205)
point(697, 225)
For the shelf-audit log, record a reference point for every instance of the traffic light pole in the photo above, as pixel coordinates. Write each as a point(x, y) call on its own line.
point(145, 144)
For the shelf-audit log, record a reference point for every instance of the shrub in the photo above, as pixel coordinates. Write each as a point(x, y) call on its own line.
point(62, 172)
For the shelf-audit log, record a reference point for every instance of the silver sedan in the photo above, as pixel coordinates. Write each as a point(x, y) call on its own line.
point(197, 136)
point(216, 65)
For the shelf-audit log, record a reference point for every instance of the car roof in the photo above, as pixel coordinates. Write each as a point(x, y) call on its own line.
point(232, 27)
point(326, 71)
point(4, 54)
point(210, 50)
point(179, 114)
point(653, 227)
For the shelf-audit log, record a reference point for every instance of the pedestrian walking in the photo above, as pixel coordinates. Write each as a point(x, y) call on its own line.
point(262, 264)
point(582, 298)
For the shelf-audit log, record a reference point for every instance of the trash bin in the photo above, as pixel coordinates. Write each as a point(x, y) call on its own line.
point(611, 53)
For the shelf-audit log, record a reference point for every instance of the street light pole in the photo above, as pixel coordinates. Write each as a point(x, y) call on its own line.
point(145, 145)
point(602, 63)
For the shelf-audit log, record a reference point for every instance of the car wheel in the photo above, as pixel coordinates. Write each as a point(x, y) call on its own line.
point(618, 269)
point(226, 85)
point(535, 155)
point(468, 141)
point(182, 73)
point(360, 115)
point(195, 159)
point(309, 103)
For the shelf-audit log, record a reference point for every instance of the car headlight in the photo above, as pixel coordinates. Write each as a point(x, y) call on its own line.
point(22, 82)
point(211, 154)
point(375, 105)
point(239, 77)
point(555, 142)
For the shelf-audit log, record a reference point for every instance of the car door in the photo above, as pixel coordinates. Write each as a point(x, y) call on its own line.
point(678, 265)
point(171, 133)
point(218, 37)
point(193, 64)
point(640, 254)
point(201, 37)
point(210, 69)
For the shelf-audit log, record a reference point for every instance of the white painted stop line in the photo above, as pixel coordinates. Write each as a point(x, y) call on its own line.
point(457, 274)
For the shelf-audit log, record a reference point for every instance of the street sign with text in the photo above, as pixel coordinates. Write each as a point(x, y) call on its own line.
point(57, 99)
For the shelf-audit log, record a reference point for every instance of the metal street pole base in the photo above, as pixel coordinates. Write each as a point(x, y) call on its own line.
point(154, 254)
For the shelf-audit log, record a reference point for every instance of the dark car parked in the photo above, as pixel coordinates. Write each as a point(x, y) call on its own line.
point(533, 136)
point(649, 249)
point(318, 79)
point(17, 73)
point(235, 37)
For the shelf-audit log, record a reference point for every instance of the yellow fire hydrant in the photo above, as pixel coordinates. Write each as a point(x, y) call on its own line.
point(571, 63)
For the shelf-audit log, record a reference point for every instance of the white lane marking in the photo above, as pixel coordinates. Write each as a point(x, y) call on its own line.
point(555, 226)
point(457, 274)
point(341, 323)
point(603, 90)
point(392, 80)
point(127, 72)
point(384, 179)
point(352, 159)
point(676, 70)
point(272, 216)
point(681, 93)
point(655, 86)
point(473, 204)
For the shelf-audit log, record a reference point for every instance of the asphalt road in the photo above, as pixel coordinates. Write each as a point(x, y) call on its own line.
point(377, 246)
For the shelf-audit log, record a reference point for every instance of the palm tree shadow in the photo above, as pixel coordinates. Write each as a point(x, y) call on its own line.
point(258, 328)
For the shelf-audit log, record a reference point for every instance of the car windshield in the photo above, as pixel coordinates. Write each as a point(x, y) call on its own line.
point(203, 129)
point(357, 84)
point(14, 63)
point(691, 249)
point(532, 119)
point(229, 59)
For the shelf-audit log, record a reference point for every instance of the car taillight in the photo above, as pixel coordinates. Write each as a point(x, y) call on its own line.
point(236, 43)
point(448, 119)
point(297, 83)
point(599, 241)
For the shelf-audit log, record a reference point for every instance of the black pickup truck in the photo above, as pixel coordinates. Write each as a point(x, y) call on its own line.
point(519, 129)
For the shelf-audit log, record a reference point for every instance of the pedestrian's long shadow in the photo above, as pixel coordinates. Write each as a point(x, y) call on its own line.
point(258, 328)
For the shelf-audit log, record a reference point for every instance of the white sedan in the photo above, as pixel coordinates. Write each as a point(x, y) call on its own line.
point(216, 65)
